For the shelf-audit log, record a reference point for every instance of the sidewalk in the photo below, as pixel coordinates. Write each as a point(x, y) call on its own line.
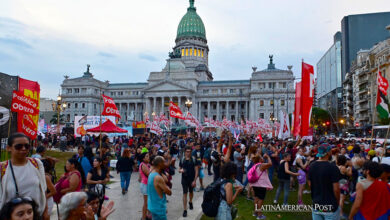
point(129, 206)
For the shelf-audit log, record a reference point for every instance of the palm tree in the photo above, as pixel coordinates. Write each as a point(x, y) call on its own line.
point(54, 121)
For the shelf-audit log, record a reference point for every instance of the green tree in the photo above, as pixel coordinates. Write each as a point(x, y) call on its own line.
point(53, 120)
point(319, 116)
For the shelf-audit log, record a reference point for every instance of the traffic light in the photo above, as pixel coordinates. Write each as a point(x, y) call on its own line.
point(327, 123)
point(357, 124)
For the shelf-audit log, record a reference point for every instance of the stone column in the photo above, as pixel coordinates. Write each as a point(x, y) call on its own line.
point(148, 106)
point(237, 111)
point(251, 109)
point(208, 109)
point(227, 110)
point(162, 104)
point(136, 111)
point(247, 109)
point(200, 111)
point(154, 104)
point(217, 110)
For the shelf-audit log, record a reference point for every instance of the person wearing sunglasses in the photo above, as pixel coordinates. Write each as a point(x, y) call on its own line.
point(19, 209)
point(22, 176)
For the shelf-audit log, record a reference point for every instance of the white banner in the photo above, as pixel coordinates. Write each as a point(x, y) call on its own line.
point(83, 123)
point(284, 130)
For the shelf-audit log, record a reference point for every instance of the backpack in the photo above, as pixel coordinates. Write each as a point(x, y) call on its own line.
point(212, 198)
point(3, 166)
point(252, 174)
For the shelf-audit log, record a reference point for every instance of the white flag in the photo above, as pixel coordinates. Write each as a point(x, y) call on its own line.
point(284, 130)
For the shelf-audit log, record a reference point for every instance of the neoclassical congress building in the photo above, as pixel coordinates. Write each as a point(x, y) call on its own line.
point(186, 75)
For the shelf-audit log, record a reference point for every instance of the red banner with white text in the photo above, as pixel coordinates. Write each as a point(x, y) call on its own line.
point(23, 104)
point(110, 108)
point(307, 97)
point(28, 123)
point(174, 111)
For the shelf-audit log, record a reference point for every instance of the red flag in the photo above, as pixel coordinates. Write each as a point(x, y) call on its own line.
point(110, 108)
point(260, 138)
point(307, 97)
point(297, 111)
point(174, 111)
point(383, 84)
point(23, 104)
point(28, 123)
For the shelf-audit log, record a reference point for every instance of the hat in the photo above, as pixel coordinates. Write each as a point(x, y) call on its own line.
point(371, 152)
point(144, 150)
point(237, 146)
point(350, 147)
point(323, 149)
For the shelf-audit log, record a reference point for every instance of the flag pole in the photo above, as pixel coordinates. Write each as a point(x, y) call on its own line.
point(374, 112)
point(100, 124)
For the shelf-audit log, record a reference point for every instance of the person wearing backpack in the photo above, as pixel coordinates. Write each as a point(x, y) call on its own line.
point(229, 191)
point(262, 184)
point(22, 176)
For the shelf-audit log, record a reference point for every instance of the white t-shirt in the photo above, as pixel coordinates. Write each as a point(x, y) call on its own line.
point(383, 160)
point(27, 183)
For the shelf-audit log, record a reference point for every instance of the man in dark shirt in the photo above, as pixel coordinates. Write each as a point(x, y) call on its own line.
point(189, 171)
point(324, 182)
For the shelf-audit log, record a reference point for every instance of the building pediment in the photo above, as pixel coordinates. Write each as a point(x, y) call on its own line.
point(168, 85)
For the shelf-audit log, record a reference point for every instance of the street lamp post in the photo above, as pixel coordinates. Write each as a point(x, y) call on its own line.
point(59, 106)
point(188, 104)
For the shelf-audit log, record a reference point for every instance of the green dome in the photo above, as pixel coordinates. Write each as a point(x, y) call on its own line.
point(191, 25)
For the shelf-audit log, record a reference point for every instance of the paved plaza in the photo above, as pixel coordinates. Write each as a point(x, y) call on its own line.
point(129, 206)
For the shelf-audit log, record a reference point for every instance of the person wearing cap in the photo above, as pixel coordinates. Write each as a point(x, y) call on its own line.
point(324, 183)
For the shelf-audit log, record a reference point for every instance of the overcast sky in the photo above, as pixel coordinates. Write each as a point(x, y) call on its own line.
point(124, 40)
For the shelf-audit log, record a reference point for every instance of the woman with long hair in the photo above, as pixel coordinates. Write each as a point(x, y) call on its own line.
point(263, 184)
point(124, 167)
point(48, 164)
point(20, 208)
point(230, 191)
point(75, 177)
point(98, 175)
point(144, 171)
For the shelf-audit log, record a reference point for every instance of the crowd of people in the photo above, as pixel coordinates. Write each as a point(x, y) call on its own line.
point(333, 171)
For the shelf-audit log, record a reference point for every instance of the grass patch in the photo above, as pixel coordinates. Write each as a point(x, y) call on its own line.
point(246, 207)
point(62, 157)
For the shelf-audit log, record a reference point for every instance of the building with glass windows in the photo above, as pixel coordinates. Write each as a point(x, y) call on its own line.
point(329, 79)
point(186, 76)
point(361, 31)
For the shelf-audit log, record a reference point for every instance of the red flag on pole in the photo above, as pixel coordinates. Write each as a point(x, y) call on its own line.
point(307, 97)
point(28, 123)
point(110, 108)
point(174, 111)
point(297, 111)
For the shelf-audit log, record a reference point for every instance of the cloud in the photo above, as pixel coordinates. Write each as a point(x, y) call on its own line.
point(147, 57)
point(105, 54)
point(15, 42)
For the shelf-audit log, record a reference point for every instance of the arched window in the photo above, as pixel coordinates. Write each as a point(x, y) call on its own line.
point(202, 52)
point(182, 52)
point(195, 50)
point(186, 52)
point(198, 52)
point(261, 102)
point(190, 51)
